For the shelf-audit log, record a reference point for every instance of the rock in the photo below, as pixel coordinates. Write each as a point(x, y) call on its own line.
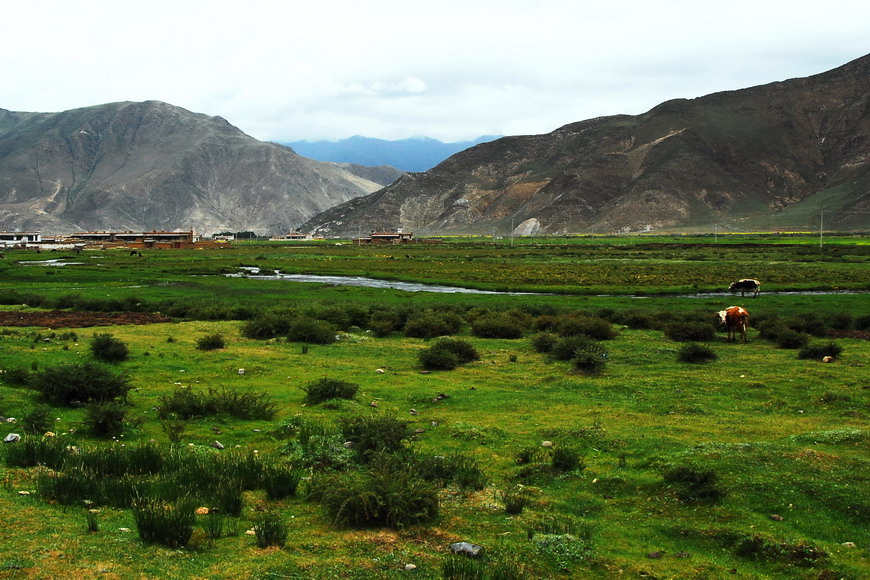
point(655, 555)
point(373, 404)
point(23, 493)
point(49, 434)
point(849, 545)
point(11, 420)
point(250, 532)
point(776, 517)
point(202, 511)
point(12, 438)
point(419, 430)
point(125, 530)
point(413, 412)
point(466, 549)
point(241, 371)
point(828, 359)
point(682, 554)
point(546, 443)
point(217, 445)
point(348, 445)
point(380, 372)
point(410, 567)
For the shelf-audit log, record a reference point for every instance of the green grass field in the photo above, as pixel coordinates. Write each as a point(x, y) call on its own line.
point(753, 465)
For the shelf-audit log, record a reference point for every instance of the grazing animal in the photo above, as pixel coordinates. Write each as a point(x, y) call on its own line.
point(735, 319)
point(746, 285)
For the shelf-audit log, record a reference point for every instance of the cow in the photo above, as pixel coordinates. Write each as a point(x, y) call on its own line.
point(735, 319)
point(746, 285)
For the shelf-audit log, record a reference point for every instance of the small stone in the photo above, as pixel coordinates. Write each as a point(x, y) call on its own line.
point(12, 438)
point(202, 511)
point(776, 517)
point(410, 567)
point(373, 404)
point(49, 434)
point(420, 430)
point(682, 554)
point(828, 359)
point(217, 445)
point(655, 555)
point(379, 371)
point(849, 544)
point(546, 443)
point(250, 532)
point(257, 430)
point(348, 445)
point(467, 549)
point(241, 371)
point(414, 412)
point(11, 420)
point(23, 493)
point(125, 530)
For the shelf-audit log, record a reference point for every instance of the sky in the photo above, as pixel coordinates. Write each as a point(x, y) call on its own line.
point(449, 69)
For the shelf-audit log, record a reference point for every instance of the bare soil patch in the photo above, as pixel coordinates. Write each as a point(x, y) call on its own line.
point(68, 319)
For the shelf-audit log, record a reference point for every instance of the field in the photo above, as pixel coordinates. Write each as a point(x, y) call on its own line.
point(603, 427)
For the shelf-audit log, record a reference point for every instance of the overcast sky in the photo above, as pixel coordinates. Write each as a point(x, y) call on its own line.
point(447, 69)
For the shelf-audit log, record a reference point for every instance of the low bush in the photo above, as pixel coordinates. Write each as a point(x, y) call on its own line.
point(186, 403)
point(15, 376)
point(461, 567)
point(105, 419)
point(544, 342)
point(566, 459)
point(763, 549)
point(312, 331)
point(269, 324)
point(687, 331)
point(590, 359)
point(640, 320)
point(819, 351)
point(107, 348)
point(79, 382)
point(324, 389)
point(693, 485)
point(499, 325)
point(38, 420)
point(429, 324)
point(515, 498)
point(579, 324)
point(270, 529)
point(170, 525)
point(51, 452)
point(444, 352)
point(280, 481)
point(861, 322)
point(373, 434)
point(210, 342)
point(791, 339)
point(696, 353)
point(567, 347)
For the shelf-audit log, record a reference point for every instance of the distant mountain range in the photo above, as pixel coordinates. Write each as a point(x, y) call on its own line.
point(415, 154)
point(151, 165)
point(789, 153)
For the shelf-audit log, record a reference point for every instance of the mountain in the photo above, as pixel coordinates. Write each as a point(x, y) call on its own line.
point(415, 154)
point(776, 155)
point(154, 166)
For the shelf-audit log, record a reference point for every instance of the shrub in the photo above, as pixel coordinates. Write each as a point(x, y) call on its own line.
point(381, 497)
point(438, 356)
point(186, 403)
point(760, 548)
point(312, 331)
point(544, 342)
point(430, 324)
point(270, 529)
point(32, 451)
point(15, 376)
point(640, 320)
point(370, 434)
point(515, 498)
point(269, 324)
point(566, 348)
point(693, 485)
point(170, 525)
point(105, 419)
point(210, 342)
point(696, 353)
point(38, 420)
point(589, 359)
point(108, 348)
point(498, 326)
point(862, 322)
point(280, 481)
point(788, 338)
point(686, 331)
point(75, 383)
point(461, 567)
point(820, 350)
point(566, 459)
point(325, 389)
point(579, 324)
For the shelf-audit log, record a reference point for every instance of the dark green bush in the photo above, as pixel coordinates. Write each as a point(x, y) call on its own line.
point(791, 339)
point(32, 451)
point(567, 347)
point(373, 434)
point(312, 331)
point(500, 325)
point(38, 420)
point(15, 376)
point(590, 359)
point(280, 481)
point(693, 485)
point(579, 324)
point(819, 351)
point(170, 525)
point(324, 389)
point(862, 322)
point(429, 324)
point(566, 459)
point(640, 320)
point(210, 342)
point(380, 497)
point(185, 403)
point(105, 419)
point(696, 353)
point(78, 383)
point(690, 331)
point(107, 348)
point(269, 324)
point(544, 341)
point(762, 549)
point(270, 529)
point(438, 359)
point(438, 356)
point(515, 498)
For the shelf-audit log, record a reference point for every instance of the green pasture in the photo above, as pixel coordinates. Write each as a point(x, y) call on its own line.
point(787, 438)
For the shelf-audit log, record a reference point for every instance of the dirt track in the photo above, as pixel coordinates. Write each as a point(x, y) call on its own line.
point(64, 319)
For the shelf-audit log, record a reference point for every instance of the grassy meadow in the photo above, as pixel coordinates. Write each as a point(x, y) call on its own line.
point(603, 427)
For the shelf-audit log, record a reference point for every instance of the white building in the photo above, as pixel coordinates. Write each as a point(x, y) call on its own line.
point(19, 238)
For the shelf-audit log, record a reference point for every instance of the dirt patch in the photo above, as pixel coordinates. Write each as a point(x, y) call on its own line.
point(65, 319)
point(859, 334)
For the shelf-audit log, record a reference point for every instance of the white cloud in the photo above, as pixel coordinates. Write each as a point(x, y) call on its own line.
point(286, 70)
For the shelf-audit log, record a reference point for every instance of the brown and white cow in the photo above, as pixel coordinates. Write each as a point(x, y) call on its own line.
point(746, 285)
point(735, 319)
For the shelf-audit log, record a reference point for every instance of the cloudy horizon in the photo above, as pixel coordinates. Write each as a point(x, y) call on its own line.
point(453, 71)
